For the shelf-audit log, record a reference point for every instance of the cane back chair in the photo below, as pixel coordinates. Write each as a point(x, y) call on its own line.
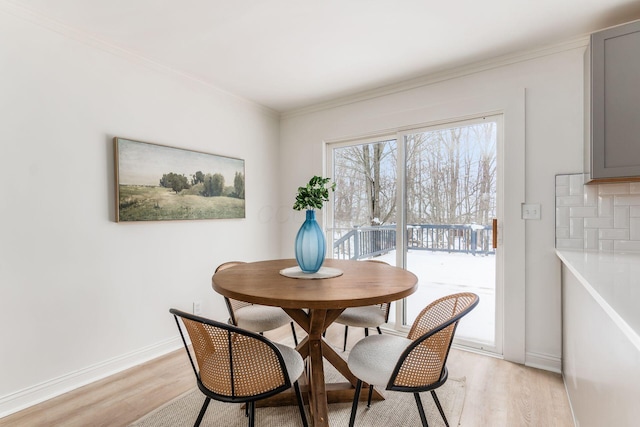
point(416, 363)
point(238, 366)
point(370, 316)
point(255, 317)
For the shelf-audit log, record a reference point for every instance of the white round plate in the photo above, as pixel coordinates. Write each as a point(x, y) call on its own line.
point(323, 273)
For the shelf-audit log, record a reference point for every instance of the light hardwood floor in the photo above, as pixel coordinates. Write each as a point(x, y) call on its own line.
point(498, 393)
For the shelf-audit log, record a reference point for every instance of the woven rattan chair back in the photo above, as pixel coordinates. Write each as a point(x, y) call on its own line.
point(423, 364)
point(384, 309)
point(231, 364)
point(232, 304)
point(385, 306)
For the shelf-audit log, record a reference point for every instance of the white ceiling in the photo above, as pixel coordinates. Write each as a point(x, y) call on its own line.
point(287, 54)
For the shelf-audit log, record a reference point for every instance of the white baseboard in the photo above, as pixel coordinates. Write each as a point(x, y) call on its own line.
point(534, 360)
point(544, 361)
point(38, 393)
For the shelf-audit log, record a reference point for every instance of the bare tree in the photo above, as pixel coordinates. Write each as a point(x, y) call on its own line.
point(365, 177)
point(450, 175)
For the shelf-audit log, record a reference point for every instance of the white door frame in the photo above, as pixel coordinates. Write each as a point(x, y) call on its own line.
point(511, 230)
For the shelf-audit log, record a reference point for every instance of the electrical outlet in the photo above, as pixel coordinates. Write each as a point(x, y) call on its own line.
point(531, 211)
point(197, 308)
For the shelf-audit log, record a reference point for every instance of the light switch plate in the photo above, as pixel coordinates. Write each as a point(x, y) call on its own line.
point(531, 211)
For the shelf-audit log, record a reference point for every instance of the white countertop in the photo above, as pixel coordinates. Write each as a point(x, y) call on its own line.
point(613, 279)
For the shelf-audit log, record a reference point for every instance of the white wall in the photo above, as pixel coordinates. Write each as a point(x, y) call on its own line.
point(83, 296)
point(554, 140)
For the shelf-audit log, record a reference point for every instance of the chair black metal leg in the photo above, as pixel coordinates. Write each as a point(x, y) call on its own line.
point(252, 413)
point(423, 417)
point(354, 405)
point(205, 405)
point(435, 399)
point(296, 387)
point(379, 330)
point(346, 330)
point(366, 332)
point(370, 393)
point(295, 337)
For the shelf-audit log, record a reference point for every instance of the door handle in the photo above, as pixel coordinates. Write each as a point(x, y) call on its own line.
point(495, 232)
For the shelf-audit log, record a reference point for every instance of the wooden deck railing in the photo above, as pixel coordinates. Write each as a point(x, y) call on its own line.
point(366, 242)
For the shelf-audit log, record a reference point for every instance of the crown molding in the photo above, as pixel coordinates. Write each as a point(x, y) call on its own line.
point(13, 8)
point(27, 14)
point(579, 42)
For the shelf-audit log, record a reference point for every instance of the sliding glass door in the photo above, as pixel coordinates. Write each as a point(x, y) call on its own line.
point(449, 204)
point(426, 204)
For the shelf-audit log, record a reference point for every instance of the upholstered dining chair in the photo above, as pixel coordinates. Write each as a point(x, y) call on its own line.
point(255, 317)
point(416, 363)
point(238, 366)
point(370, 316)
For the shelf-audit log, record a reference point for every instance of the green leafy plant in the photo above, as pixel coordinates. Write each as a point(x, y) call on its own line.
point(314, 194)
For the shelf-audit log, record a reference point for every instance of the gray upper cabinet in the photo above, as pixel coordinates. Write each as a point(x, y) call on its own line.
point(613, 58)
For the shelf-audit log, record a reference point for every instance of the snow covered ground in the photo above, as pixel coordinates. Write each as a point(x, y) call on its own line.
point(441, 273)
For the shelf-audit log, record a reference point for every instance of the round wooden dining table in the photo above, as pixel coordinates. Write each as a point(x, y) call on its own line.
point(314, 303)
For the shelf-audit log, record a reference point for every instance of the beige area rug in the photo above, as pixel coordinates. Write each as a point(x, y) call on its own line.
point(397, 410)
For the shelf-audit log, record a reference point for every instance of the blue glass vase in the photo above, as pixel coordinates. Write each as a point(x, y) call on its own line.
point(310, 244)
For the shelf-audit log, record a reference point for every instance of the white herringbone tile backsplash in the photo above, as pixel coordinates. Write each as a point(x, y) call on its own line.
point(602, 217)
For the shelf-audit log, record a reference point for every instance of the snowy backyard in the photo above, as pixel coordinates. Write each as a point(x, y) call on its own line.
point(442, 273)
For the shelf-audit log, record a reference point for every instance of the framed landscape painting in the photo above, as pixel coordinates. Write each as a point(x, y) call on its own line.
point(156, 183)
